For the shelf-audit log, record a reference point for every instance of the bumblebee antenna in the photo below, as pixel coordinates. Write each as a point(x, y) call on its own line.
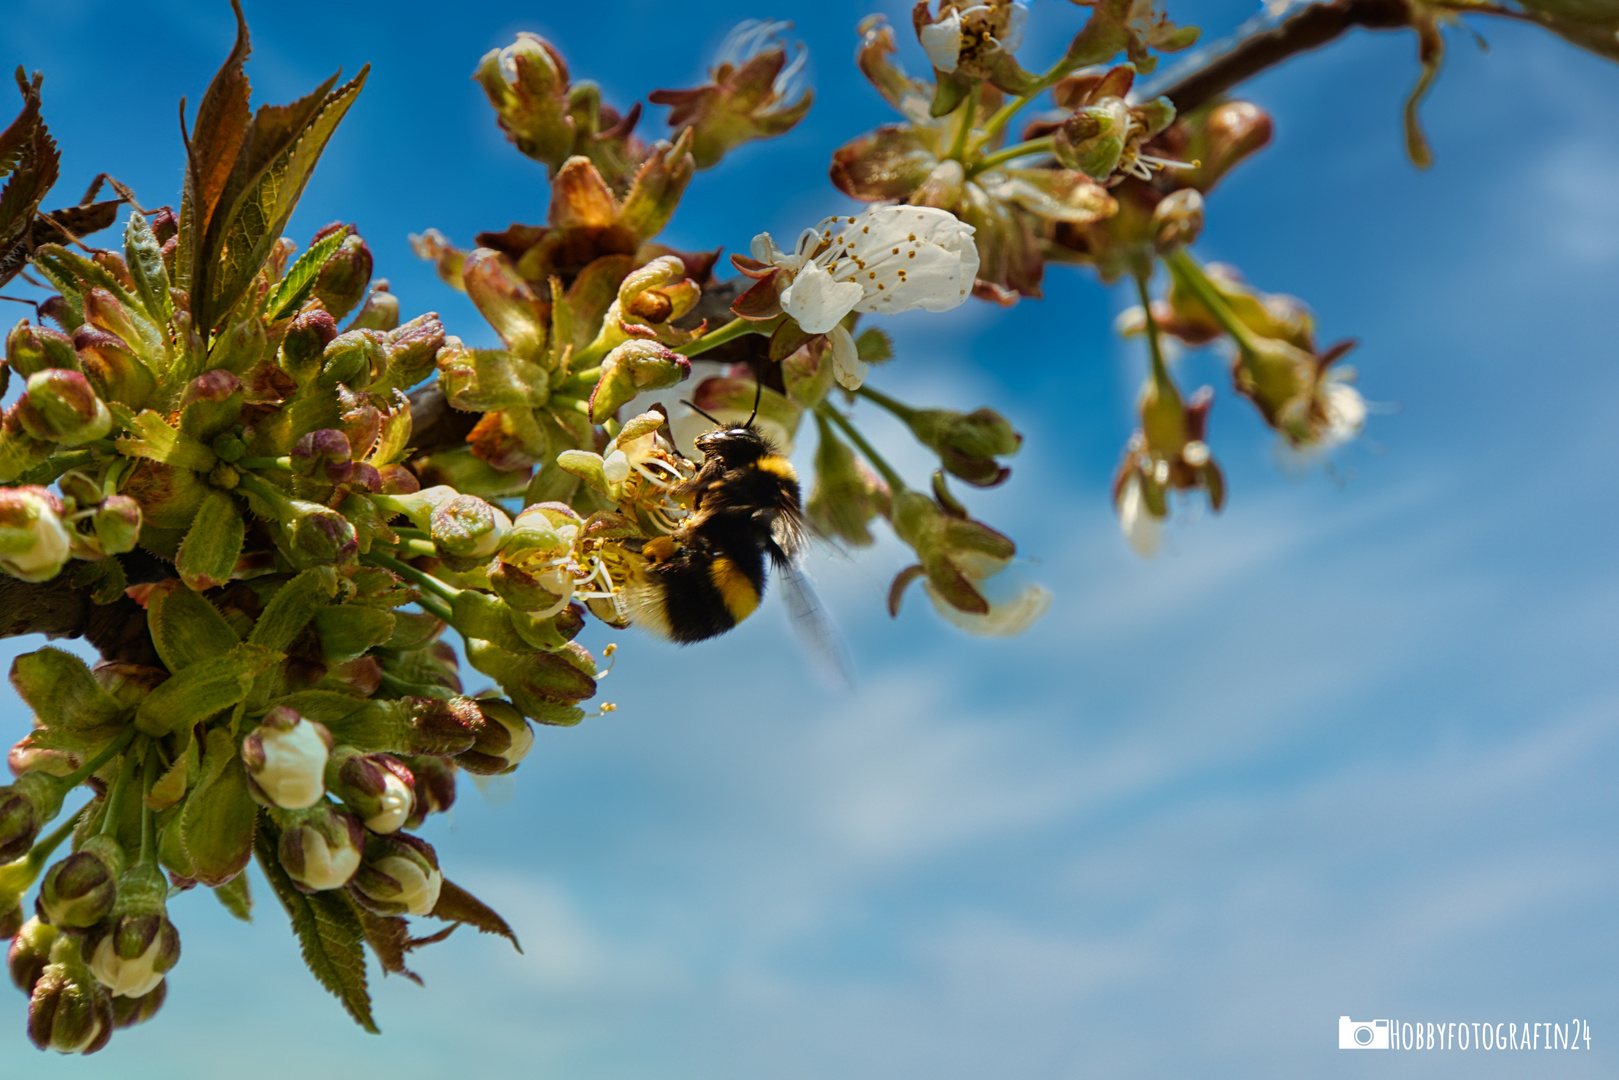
point(758, 392)
point(700, 412)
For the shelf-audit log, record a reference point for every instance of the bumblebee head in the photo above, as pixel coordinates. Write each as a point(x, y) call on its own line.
point(735, 447)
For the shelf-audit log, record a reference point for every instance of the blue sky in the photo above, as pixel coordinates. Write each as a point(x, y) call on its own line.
point(1347, 748)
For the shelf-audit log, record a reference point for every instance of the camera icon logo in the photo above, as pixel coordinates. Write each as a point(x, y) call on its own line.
point(1362, 1034)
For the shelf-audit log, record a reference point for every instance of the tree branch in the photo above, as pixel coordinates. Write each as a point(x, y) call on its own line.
point(1307, 29)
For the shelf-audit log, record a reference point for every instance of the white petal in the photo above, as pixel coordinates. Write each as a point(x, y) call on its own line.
point(942, 42)
point(1139, 526)
point(1346, 412)
point(764, 249)
point(1017, 18)
point(908, 257)
point(847, 367)
point(816, 301)
point(1014, 605)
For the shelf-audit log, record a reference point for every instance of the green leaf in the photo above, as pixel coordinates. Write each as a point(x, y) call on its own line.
point(199, 691)
point(279, 154)
point(348, 630)
point(329, 931)
point(104, 579)
point(299, 281)
point(389, 937)
point(59, 688)
point(219, 818)
point(236, 897)
point(457, 905)
point(211, 547)
point(144, 256)
point(212, 148)
point(186, 628)
point(151, 436)
point(290, 610)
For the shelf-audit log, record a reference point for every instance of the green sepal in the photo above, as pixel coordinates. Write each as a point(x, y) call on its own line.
point(328, 930)
point(347, 631)
point(209, 552)
point(298, 282)
point(59, 688)
point(171, 786)
point(236, 897)
point(186, 628)
point(199, 691)
point(293, 605)
point(950, 92)
point(218, 820)
point(479, 615)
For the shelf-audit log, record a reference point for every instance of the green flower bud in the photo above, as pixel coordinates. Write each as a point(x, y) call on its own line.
point(113, 369)
point(967, 444)
point(30, 951)
point(32, 349)
point(286, 759)
point(305, 343)
point(1092, 140)
point(378, 788)
point(133, 948)
point(320, 847)
point(79, 891)
point(34, 543)
point(117, 524)
point(380, 310)
point(468, 527)
point(846, 495)
point(68, 1012)
point(324, 456)
point(504, 739)
point(63, 407)
point(955, 551)
point(400, 876)
point(631, 368)
point(129, 1011)
point(412, 349)
point(353, 358)
point(527, 83)
point(343, 278)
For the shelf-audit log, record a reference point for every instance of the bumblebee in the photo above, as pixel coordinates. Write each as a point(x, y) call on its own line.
point(746, 517)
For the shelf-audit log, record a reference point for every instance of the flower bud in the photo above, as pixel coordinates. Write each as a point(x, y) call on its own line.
point(135, 946)
point(79, 891)
point(1092, 140)
point(24, 806)
point(286, 760)
point(113, 369)
point(343, 278)
point(323, 455)
point(30, 951)
point(32, 349)
point(967, 443)
point(846, 495)
point(321, 536)
point(527, 83)
point(129, 683)
point(11, 921)
point(434, 789)
point(504, 738)
point(378, 788)
point(954, 550)
point(117, 524)
point(353, 358)
point(34, 544)
point(320, 848)
point(400, 876)
point(468, 527)
point(631, 368)
point(1177, 219)
point(305, 341)
point(129, 1011)
point(68, 1012)
point(412, 348)
point(380, 310)
point(63, 407)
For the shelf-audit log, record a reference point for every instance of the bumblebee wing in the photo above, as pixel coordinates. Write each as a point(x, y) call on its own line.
point(789, 534)
point(828, 655)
